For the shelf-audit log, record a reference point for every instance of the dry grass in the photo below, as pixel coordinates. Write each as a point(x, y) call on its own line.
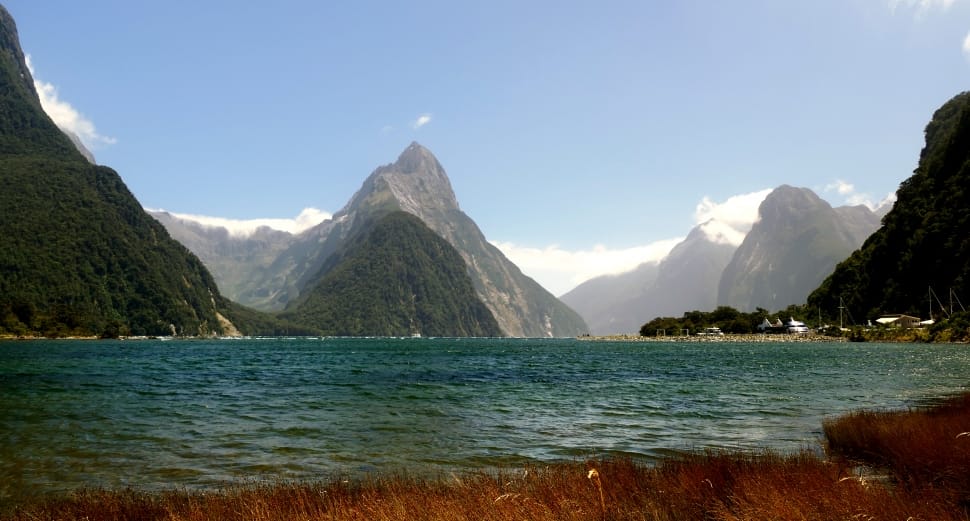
point(927, 460)
point(924, 447)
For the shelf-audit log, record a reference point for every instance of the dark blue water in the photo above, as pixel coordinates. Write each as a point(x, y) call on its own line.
point(161, 414)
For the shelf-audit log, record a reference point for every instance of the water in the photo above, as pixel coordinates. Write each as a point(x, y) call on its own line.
point(163, 414)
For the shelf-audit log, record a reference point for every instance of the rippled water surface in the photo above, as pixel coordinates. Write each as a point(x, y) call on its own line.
point(161, 414)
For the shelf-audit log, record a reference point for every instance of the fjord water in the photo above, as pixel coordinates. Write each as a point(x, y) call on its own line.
point(201, 413)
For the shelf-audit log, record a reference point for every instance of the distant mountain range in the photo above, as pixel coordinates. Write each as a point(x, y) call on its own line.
point(797, 240)
point(273, 270)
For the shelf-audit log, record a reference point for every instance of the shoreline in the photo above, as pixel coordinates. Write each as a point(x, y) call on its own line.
point(727, 337)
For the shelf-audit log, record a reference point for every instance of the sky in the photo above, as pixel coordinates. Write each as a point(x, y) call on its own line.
point(582, 137)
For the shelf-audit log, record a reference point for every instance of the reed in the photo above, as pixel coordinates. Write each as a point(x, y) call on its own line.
point(919, 447)
point(926, 484)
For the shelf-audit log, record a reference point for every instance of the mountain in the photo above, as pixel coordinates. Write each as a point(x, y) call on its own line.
point(689, 275)
point(604, 301)
point(686, 279)
point(78, 255)
point(924, 240)
point(233, 259)
point(417, 184)
point(395, 278)
point(795, 243)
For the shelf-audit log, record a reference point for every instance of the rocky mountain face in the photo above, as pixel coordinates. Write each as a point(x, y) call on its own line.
point(686, 279)
point(416, 183)
point(796, 242)
point(78, 255)
point(924, 240)
point(395, 278)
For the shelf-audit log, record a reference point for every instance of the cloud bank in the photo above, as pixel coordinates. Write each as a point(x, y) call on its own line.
point(66, 116)
point(559, 270)
point(729, 221)
point(307, 219)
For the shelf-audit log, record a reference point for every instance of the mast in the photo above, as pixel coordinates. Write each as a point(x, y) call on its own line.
point(841, 307)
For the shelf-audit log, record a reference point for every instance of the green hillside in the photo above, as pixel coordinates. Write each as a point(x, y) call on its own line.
point(925, 239)
point(78, 255)
point(396, 278)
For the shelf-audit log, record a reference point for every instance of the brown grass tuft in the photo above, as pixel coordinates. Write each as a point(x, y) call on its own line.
point(920, 448)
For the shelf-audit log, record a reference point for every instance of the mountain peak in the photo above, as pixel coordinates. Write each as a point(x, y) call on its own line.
point(417, 159)
point(416, 181)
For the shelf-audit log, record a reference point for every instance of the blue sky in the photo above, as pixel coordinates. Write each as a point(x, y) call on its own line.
point(582, 137)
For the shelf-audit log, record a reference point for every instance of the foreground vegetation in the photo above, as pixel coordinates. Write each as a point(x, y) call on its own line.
point(918, 465)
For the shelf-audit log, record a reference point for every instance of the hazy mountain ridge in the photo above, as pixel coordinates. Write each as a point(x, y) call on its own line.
point(684, 280)
point(796, 242)
point(232, 259)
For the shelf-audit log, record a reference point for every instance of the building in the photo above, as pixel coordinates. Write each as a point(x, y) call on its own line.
point(902, 321)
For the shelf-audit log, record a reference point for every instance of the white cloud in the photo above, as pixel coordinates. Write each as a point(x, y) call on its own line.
point(840, 186)
point(729, 221)
point(308, 218)
point(851, 197)
point(66, 116)
point(966, 46)
point(559, 270)
point(422, 120)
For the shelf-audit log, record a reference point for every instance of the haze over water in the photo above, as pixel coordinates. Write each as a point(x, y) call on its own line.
point(200, 413)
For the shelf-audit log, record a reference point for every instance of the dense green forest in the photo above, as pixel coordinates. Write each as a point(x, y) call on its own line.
point(396, 278)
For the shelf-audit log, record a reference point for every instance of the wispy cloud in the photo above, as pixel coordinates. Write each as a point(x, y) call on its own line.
point(729, 221)
point(308, 218)
point(851, 197)
point(966, 46)
point(65, 115)
point(560, 270)
point(422, 120)
point(840, 186)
